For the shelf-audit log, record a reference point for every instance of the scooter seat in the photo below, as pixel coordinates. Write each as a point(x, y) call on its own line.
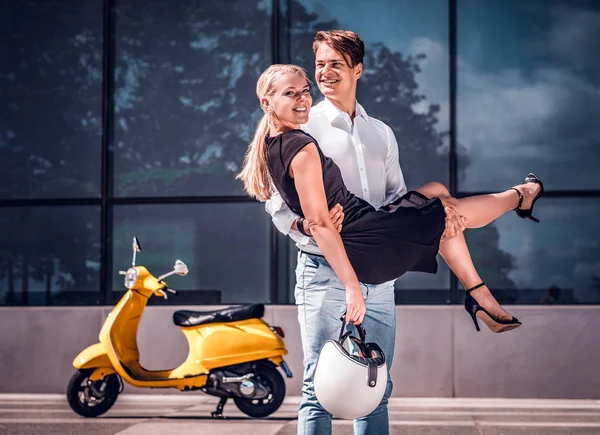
point(231, 314)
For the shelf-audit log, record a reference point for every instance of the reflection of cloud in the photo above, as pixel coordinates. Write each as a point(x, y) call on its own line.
point(587, 270)
point(576, 35)
point(570, 261)
point(433, 78)
point(581, 244)
point(542, 119)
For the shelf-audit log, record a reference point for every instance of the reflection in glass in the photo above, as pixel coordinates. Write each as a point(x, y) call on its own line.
point(528, 93)
point(225, 247)
point(405, 78)
point(51, 94)
point(553, 262)
point(50, 255)
point(185, 102)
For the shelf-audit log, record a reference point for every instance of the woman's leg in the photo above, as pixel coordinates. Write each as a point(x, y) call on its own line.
point(455, 253)
point(480, 210)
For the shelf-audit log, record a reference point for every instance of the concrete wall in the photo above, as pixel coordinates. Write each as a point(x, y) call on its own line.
point(555, 354)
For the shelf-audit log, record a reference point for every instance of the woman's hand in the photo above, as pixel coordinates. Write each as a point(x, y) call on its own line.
point(356, 309)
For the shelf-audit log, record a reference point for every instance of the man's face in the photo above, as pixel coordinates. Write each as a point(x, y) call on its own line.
point(335, 77)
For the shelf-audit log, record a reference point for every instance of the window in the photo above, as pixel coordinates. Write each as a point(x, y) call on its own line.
point(553, 262)
point(185, 106)
point(183, 110)
point(405, 78)
point(50, 88)
point(528, 94)
point(404, 84)
point(50, 255)
point(225, 247)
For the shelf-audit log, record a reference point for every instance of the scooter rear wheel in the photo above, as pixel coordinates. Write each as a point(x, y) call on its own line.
point(267, 375)
point(83, 399)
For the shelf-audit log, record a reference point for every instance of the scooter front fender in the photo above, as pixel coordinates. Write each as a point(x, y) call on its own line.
point(94, 357)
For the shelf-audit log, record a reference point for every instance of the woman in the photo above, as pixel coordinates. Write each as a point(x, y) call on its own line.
point(373, 246)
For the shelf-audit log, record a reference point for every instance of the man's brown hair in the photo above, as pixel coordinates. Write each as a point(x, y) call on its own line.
point(345, 42)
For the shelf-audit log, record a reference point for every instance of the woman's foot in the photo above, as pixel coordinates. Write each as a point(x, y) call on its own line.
point(487, 301)
point(529, 192)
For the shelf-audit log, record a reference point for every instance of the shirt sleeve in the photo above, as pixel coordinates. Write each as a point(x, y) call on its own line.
point(395, 186)
point(283, 218)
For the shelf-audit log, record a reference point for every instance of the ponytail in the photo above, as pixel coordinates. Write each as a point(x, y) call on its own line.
point(255, 171)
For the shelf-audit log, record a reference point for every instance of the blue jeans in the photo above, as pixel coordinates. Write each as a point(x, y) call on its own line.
point(321, 301)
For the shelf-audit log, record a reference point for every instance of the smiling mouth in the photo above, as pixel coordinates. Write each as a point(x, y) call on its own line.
point(330, 81)
point(300, 109)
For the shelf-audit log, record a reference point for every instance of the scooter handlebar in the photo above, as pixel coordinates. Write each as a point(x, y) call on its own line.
point(163, 291)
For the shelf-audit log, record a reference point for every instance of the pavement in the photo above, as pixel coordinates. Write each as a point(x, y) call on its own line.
point(189, 413)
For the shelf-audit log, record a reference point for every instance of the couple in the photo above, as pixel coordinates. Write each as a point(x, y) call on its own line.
point(340, 194)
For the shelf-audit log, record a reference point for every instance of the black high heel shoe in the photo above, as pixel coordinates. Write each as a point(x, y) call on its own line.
point(526, 214)
point(476, 310)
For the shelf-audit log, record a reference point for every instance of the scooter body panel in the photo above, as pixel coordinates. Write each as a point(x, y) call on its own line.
point(226, 344)
point(92, 357)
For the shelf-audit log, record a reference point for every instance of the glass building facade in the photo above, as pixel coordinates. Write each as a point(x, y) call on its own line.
point(126, 117)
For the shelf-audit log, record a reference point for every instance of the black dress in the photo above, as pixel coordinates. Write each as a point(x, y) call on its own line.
point(381, 245)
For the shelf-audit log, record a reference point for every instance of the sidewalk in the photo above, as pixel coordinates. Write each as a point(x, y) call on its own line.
point(189, 413)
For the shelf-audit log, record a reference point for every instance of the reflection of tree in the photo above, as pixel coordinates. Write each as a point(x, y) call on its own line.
point(596, 283)
point(49, 121)
point(185, 95)
point(493, 264)
point(53, 249)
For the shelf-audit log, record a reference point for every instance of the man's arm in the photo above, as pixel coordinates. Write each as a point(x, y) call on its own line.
point(395, 186)
point(284, 218)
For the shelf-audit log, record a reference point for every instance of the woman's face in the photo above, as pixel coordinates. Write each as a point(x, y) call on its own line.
point(291, 102)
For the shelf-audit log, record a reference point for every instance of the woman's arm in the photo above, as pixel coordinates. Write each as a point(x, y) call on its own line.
point(307, 172)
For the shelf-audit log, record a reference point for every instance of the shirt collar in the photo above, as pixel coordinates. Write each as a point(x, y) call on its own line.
point(332, 111)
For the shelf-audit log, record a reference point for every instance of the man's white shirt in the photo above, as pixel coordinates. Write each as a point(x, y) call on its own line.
point(366, 153)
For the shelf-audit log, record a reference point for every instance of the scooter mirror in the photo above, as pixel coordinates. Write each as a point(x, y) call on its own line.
point(136, 245)
point(180, 268)
point(136, 248)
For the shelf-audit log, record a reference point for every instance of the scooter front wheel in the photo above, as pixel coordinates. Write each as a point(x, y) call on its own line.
point(90, 398)
point(268, 376)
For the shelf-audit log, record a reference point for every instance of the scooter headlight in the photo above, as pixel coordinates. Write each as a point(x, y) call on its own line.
point(131, 277)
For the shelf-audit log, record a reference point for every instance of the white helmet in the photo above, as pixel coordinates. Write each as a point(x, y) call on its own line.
point(350, 386)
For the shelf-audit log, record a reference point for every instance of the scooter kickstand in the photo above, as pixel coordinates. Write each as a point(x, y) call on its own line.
point(218, 413)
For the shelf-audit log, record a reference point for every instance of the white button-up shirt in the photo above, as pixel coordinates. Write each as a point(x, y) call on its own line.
point(366, 152)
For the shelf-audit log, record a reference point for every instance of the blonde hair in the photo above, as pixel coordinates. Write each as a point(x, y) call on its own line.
point(255, 170)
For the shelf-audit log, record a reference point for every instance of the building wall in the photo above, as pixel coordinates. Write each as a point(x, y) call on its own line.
point(555, 354)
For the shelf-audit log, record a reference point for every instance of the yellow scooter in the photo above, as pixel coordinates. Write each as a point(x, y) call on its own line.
point(233, 353)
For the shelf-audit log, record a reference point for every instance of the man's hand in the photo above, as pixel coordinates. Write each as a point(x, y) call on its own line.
point(455, 223)
point(337, 217)
point(356, 307)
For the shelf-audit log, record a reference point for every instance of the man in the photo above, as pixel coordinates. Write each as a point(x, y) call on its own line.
point(366, 151)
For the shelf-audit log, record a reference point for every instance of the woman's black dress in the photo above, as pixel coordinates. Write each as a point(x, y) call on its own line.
point(381, 246)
